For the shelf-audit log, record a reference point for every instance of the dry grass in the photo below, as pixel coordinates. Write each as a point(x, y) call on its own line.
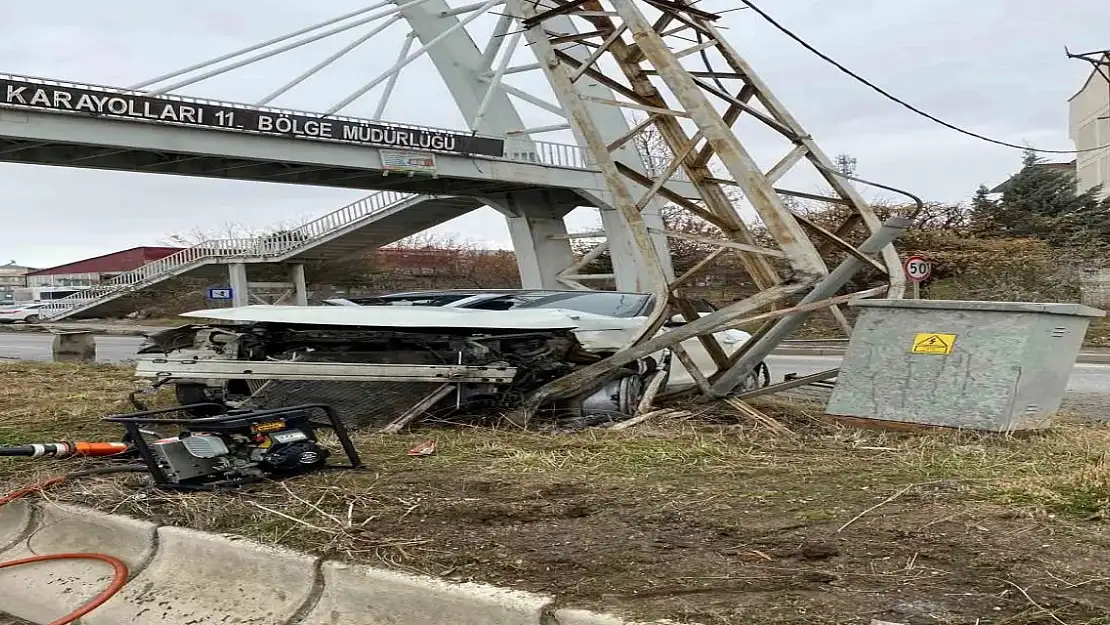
point(1062, 471)
point(41, 402)
point(582, 514)
point(1098, 335)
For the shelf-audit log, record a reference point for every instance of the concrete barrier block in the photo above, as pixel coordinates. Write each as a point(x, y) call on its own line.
point(361, 595)
point(74, 346)
point(45, 591)
point(14, 520)
point(204, 579)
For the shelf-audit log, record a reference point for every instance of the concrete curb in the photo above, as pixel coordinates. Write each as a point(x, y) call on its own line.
point(186, 577)
point(15, 521)
point(368, 596)
point(65, 585)
point(198, 578)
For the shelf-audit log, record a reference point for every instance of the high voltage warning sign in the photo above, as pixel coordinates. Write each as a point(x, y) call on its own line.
point(933, 343)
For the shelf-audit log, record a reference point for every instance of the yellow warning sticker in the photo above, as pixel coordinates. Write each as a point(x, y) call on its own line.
point(933, 343)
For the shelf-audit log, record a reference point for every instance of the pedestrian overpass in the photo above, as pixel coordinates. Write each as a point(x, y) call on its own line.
point(426, 176)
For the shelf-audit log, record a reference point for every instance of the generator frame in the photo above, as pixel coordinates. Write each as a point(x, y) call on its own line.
point(133, 422)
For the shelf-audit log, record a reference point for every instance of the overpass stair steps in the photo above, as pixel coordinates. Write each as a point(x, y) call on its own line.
point(375, 220)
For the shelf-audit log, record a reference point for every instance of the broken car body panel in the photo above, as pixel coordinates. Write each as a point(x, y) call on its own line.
point(394, 317)
point(369, 352)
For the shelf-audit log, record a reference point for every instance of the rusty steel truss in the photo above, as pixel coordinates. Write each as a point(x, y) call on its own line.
point(695, 113)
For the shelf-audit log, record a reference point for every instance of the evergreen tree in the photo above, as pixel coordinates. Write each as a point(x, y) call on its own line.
point(984, 212)
point(1041, 202)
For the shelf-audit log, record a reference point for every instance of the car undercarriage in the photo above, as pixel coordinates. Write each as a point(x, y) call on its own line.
point(387, 377)
point(355, 368)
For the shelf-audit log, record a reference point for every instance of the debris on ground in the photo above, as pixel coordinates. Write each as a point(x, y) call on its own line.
point(717, 519)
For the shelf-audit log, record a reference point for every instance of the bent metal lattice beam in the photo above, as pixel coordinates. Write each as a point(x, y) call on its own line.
point(694, 114)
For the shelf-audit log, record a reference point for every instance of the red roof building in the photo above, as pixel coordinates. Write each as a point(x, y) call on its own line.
point(95, 270)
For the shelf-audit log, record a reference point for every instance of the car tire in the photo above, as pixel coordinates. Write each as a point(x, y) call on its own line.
point(193, 393)
point(757, 379)
point(31, 319)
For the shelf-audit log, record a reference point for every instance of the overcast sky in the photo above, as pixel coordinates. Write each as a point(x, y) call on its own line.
point(994, 66)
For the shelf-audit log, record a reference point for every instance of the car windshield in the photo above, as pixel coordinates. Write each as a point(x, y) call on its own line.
point(411, 299)
point(596, 302)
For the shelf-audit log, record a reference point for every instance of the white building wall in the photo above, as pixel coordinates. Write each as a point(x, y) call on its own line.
point(1089, 128)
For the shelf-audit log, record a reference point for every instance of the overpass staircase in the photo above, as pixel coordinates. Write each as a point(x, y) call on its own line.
point(371, 222)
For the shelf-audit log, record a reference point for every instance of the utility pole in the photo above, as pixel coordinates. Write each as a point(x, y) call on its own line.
point(1100, 60)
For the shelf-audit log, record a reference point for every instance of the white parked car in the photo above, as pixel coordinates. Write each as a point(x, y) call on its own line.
point(27, 313)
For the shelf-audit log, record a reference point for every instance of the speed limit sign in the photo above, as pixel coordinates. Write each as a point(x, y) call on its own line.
point(918, 269)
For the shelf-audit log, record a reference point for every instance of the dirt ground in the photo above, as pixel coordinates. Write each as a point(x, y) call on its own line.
point(711, 519)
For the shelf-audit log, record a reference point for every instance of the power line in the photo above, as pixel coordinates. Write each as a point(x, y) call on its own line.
point(786, 31)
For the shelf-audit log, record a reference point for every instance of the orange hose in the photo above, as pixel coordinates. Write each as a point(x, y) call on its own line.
point(119, 578)
point(23, 492)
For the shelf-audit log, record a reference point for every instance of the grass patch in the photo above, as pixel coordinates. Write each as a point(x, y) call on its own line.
point(43, 402)
point(1098, 334)
point(712, 519)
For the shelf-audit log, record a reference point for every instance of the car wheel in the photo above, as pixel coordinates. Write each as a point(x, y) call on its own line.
point(31, 319)
point(758, 378)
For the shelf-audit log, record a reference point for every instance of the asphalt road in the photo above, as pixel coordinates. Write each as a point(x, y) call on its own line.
point(1088, 389)
point(34, 346)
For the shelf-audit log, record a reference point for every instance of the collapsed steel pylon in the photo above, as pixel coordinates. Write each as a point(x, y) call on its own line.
point(632, 56)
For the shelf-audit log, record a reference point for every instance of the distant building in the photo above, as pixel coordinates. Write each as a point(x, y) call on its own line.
point(12, 276)
point(1067, 168)
point(93, 271)
point(1089, 127)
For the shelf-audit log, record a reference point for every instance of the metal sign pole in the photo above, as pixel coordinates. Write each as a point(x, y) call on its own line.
point(917, 270)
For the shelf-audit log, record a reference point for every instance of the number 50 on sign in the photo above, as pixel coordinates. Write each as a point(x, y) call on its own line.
point(918, 269)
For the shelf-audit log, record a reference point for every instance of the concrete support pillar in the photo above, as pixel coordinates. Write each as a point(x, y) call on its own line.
point(237, 280)
point(539, 257)
point(625, 257)
point(628, 266)
point(300, 288)
point(535, 222)
point(74, 347)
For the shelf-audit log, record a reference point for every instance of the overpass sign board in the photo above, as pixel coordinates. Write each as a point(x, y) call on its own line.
point(202, 114)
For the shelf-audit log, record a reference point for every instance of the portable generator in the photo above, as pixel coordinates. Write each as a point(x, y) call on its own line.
point(234, 448)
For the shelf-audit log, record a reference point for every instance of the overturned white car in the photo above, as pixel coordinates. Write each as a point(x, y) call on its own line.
point(380, 364)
